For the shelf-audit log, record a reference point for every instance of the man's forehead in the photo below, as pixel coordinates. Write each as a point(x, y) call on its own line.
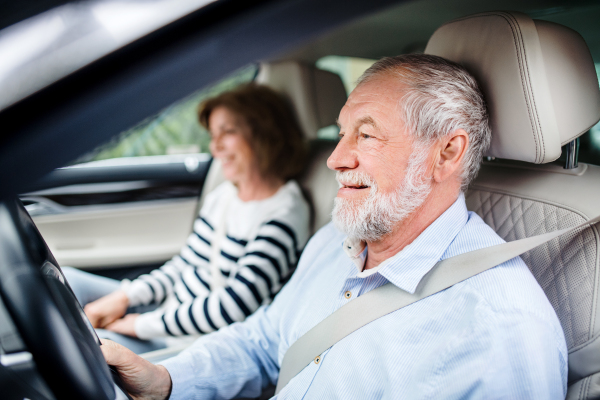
point(370, 101)
point(366, 120)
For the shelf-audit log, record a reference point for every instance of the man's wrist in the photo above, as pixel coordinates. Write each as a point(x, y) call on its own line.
point(163, 382)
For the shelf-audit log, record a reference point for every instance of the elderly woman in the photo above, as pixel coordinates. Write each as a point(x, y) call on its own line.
point(244, 243)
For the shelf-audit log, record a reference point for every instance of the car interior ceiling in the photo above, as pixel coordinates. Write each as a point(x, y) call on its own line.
point(513, 197)
point(406, 27)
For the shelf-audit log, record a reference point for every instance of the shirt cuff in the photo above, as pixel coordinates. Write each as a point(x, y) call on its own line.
point(149, 325)
point(137, 292)
point(182, 379)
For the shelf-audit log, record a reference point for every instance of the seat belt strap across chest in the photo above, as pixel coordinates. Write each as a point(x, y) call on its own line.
point(389, 298)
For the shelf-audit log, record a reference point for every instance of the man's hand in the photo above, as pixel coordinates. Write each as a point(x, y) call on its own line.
point(124, 326)
point(107, 309)
point(142, 379)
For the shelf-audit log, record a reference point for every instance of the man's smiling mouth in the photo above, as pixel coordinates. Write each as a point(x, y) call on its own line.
point(355, 186)
point(351, 182)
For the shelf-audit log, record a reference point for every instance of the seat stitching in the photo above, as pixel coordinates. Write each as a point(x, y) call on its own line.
point(503, 222)
point(595, 296)
point(554, 273)
point(512, 24)
point(525, 197)
point(581, 389)
point(493, 204)
point(525, 83)
point(511, 214)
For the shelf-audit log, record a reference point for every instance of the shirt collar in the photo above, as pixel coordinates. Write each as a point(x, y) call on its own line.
point(407, 268)
point(357, 251)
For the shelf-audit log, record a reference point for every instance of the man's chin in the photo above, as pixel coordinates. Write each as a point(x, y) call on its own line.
point(360, 231)
point(348, 219)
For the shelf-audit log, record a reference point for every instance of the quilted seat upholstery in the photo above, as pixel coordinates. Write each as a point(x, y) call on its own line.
point(519, 200)
point(565, 267)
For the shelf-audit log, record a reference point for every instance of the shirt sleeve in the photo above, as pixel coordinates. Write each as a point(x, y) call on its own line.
point(153, 287)
point(267, 261)
point(242, 359)
point(515, 356)
point(238, 361)
point(158, 284)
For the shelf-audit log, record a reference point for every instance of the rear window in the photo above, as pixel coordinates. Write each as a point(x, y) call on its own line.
point(349, 69)
point(589, 145)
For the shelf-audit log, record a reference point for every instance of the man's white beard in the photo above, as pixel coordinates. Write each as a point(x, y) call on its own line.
point(374, 217)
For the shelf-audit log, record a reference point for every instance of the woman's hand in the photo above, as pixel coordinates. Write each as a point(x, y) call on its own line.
point(142, 379)
point(107, 309)
point(124, 326)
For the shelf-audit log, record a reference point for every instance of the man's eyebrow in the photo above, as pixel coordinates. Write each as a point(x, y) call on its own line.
point(362, 121)
point(367, 121)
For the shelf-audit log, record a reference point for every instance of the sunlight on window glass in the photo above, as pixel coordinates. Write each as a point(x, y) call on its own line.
point(595, 130)
point(348, 68)
point(175, 130)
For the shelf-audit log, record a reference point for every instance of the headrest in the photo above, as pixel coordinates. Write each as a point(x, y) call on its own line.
point(538, 79)
point(317, 95)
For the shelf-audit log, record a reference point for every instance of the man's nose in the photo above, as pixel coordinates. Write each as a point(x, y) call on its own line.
point(344, 155)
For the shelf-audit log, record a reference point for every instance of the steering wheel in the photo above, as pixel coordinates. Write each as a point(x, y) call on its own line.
point(45, 311)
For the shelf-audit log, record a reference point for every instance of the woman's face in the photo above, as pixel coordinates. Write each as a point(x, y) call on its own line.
point(229, 131)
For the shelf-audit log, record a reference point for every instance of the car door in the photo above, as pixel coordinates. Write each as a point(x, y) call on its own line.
point(119, 212)
point(130, 202)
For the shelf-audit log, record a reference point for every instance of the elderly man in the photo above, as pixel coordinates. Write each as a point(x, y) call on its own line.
point(412, 135)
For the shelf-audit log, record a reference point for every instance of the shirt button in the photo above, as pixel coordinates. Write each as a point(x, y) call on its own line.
point(348, 294)
point(317, 359)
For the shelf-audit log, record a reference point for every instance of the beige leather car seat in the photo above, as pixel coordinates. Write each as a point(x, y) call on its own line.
point(541, 87)
point(317, 97)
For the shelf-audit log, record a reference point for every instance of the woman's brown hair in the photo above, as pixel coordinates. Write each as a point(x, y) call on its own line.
point(276, 138)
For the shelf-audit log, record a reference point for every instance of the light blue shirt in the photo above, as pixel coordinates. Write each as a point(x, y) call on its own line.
point(493, 336)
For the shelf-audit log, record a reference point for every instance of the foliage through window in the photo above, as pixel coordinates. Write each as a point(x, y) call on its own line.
point(175, 130)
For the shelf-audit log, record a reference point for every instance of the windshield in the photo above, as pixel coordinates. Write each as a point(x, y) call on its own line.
point(44, 48)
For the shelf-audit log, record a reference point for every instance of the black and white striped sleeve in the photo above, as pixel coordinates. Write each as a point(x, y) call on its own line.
point(158, 284)
point(268, 259)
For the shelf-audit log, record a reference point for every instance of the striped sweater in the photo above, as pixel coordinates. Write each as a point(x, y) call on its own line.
point(261, 246)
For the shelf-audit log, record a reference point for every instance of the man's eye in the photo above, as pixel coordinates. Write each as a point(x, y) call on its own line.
point(365, 136)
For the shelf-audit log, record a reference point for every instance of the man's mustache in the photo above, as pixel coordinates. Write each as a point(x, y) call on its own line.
point(355, 178)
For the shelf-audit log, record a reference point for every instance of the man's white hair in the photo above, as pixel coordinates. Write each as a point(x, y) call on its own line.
point(374, 217)
point(441, 97)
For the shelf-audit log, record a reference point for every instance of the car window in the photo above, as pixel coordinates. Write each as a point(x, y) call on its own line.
point(589, 149)
point(589, 145)
point(349, 69)
point(175, 130)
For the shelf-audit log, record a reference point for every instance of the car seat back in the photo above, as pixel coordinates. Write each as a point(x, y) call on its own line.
point(540, 84)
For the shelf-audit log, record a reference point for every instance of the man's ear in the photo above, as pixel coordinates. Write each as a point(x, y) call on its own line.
point(449, 155)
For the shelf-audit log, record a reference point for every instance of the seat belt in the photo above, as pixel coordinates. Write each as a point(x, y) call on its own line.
point(389, 298)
